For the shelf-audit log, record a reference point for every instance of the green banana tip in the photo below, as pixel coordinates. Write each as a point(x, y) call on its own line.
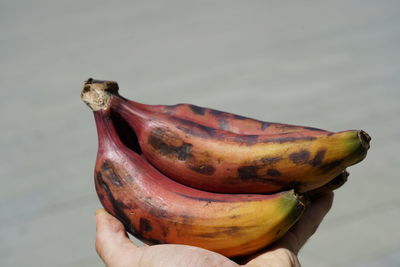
point(294, 200)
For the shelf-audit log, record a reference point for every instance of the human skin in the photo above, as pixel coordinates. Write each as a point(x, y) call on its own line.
point(117, 250)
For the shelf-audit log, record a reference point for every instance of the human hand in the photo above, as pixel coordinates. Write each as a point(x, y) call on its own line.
point(117, 250)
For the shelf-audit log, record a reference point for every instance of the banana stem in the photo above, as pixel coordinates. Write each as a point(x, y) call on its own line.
point(107, 134)
point(97, 94)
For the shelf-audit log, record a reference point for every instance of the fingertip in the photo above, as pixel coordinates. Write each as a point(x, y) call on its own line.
point(329, 199)
point(99, 214)
point(111, 237)
point(105, 222)
point(100, 211)
point(101, 219)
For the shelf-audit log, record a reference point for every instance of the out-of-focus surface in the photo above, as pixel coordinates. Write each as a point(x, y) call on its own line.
point(332, 65)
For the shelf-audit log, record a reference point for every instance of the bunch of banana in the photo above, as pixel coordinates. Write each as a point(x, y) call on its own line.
point(190, 175)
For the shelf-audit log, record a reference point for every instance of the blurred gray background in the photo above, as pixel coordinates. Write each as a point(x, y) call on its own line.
point(328, 64)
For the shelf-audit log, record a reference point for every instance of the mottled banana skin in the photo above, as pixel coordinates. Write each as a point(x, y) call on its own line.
point(158, 210)
point(221, 161)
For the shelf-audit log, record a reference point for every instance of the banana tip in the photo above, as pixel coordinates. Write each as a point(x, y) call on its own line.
point(303, 201)
point(364, 138)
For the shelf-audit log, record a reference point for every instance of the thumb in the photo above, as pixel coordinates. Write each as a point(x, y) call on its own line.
point(111, 238)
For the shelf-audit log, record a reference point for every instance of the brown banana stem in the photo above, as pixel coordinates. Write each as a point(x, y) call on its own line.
point(365, 139)
point(97, 94)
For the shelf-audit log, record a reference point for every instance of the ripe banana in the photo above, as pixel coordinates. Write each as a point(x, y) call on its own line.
point(157, 209)
point(224, 120)
point(222, 161)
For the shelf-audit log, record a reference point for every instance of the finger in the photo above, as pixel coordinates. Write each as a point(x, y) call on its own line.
point(278, 257)
point(296, 237)
point(111, 238)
